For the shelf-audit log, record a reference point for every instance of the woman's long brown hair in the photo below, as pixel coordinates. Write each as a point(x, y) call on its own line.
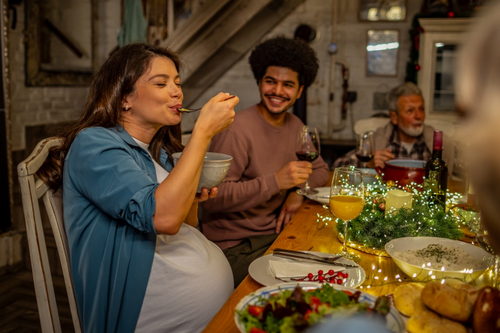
point(115, 80)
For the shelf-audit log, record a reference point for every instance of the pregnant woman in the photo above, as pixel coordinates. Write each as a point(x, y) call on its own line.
point(136, 265)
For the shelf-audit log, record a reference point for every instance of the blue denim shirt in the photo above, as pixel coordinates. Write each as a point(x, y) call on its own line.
point(108, 195)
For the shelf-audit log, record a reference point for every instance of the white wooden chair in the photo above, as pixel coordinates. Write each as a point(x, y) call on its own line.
point(32, 189)
point(371, 124)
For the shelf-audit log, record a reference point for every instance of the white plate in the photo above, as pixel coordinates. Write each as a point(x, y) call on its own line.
point(323, 195)
point(260, 271)
point(369, 175)
point(394, 321)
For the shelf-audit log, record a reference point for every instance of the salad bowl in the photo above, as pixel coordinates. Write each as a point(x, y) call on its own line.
point(394, 321)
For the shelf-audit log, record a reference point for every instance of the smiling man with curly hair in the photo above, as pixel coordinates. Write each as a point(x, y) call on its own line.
point(258, 197)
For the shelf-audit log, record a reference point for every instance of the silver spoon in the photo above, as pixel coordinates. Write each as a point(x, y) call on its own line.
point(197, 109)
point(188, 110)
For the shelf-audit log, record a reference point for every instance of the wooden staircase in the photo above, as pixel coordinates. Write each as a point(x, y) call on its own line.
point(218, 35)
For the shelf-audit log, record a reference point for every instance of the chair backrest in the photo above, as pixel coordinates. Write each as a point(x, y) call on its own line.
point(369, 124)
point(33, 189)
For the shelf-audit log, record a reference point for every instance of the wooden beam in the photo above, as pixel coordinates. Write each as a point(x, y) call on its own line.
point(219, 61)
point(180, 37)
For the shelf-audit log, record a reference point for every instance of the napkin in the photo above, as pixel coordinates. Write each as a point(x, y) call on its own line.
point(286, 269)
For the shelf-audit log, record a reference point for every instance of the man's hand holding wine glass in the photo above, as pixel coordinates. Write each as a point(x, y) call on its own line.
point(293, 174)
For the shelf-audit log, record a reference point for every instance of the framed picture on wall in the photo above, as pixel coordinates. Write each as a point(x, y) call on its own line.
point(382, 50)
point(382, 10)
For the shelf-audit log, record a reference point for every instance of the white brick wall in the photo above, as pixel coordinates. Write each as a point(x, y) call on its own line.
point(45, 105)
point(352, 49)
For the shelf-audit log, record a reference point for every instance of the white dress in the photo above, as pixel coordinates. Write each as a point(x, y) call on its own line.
point(190, 281)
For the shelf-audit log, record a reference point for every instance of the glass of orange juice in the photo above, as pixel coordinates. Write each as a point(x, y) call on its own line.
point(347, 200)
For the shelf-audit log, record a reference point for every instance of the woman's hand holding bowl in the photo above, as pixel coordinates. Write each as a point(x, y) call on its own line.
point(205, 194)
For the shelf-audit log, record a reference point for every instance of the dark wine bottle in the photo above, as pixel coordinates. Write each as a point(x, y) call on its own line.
point(436, 173)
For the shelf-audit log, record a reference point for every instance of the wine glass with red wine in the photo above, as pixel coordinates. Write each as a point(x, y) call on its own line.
point(308, 149)
point(365, 148)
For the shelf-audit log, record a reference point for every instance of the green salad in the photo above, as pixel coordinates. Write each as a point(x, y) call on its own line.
point(290, 311)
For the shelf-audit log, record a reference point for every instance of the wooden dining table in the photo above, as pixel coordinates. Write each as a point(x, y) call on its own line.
point(304, 233)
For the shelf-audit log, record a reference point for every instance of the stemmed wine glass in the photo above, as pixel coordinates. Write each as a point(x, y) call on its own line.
point(308, 149)
point(481, 236)
point(365, 148)
point(347, 200)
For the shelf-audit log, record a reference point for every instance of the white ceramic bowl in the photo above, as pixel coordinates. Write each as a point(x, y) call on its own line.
point(484, 259)
point(215, 167)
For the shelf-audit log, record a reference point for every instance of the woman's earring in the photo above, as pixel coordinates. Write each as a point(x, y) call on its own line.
point(126, 108)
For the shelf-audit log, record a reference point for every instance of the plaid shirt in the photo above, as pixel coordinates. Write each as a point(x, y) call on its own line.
point(419, 151)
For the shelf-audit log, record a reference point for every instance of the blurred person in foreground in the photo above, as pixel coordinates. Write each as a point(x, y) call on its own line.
point(406, 135)
point(136, 264)
point(478, 95)
point(350, 324)
point(257, 198)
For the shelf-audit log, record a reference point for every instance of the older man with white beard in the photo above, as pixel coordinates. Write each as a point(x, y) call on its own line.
point(406, 135)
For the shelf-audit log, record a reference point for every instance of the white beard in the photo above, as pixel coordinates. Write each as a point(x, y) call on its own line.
point(412, 131)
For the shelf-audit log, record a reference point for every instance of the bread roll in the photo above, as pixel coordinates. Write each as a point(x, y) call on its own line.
point(486, 317)
point(471, 291)
point(425, 320)
point(447, 301)
point(405, 296)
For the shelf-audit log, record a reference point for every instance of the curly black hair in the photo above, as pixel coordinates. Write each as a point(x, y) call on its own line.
point(281, 51)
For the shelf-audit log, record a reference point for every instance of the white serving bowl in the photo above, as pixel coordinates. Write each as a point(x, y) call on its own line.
point(215, 167)
point(484, 259)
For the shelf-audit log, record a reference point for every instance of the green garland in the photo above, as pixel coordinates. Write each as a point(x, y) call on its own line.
point(374, 229)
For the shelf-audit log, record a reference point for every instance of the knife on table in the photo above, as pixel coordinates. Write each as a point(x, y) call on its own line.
point(305, 256)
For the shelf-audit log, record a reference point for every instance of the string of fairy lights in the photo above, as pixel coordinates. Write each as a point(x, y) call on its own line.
point(377, 278)
point(373, 229)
